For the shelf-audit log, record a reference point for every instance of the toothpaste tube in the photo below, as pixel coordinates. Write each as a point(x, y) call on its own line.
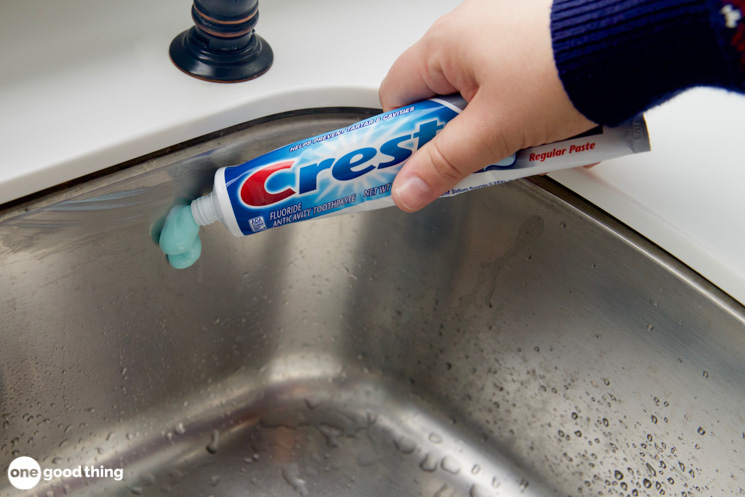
point(353, 168)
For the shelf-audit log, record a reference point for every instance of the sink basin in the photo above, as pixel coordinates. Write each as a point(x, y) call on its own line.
point(510, 341)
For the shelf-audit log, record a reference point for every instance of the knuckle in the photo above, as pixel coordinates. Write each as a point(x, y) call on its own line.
point(444, 164)
point(442, 23)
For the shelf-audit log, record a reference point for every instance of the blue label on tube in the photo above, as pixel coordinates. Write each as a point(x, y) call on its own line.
point(334, 171)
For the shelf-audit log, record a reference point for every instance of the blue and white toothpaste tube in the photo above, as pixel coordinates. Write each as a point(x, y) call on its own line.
point(352, 169)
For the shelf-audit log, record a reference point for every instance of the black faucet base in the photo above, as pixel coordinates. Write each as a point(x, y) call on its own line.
point(190, 53)
point(222, 45)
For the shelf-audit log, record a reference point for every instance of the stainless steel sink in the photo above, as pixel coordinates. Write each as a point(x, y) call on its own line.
point(510, 341)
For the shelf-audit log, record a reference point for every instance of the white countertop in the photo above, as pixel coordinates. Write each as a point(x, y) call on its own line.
point(686, 195)
point(87, 84)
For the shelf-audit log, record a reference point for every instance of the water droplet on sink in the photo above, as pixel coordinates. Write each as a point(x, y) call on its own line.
point(214, 444)
point(180, 429)
point(618, 475)
point(701, 431)
point(451, 465)
point(435, 438)
point(523, 485)
point(430, 462)
point(405, 444)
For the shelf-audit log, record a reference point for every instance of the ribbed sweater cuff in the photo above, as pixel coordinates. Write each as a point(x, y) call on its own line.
point(617, 58)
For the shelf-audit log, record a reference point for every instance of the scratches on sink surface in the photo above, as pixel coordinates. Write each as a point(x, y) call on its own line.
point(114, 200)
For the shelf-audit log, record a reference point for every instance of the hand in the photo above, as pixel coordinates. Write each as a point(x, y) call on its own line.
point(498, 55)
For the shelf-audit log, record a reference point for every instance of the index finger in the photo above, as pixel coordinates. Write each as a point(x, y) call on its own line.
point(413, 76)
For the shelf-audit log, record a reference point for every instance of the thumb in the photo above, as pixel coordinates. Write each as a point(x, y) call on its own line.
point(467, 143)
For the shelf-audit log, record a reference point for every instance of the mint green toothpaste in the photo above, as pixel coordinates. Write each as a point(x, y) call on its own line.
point(179, 239)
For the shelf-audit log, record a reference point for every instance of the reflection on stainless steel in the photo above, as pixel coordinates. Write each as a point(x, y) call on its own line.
point(511, 341)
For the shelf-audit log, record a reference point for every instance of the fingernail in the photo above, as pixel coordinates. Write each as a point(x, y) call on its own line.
point(414, 193)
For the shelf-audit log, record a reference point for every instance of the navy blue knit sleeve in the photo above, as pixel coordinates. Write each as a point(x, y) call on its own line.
point(617, 58)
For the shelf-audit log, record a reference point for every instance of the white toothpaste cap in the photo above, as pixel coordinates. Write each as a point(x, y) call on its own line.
point(203, 210)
